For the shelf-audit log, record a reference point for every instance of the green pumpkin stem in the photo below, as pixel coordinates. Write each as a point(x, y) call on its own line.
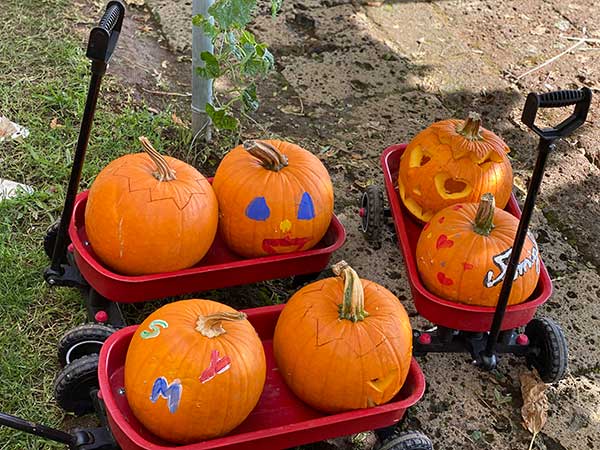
point(470, 127)
point(484, 219)
point(164, 172)
point(353, 304)
point(211, 326)
point(267, 154)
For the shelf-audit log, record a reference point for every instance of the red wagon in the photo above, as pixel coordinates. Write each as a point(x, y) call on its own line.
point(483, 331)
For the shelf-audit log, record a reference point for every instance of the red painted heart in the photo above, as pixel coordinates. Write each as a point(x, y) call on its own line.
point(443, 242)
point(443, 279)
point(467, 266)
point(441, 219)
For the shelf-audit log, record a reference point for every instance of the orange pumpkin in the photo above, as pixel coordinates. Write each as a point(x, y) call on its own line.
point(147, 213)
point(274, 197)
point(463, 252)
point(450, 162)
point(194, 370)
point(343, 343)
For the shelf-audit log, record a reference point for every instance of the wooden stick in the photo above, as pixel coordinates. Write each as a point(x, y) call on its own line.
point(554, 58)
point(176, 94)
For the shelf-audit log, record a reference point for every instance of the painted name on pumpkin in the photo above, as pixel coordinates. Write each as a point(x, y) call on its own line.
point(501, 262)
point(169, 391)
point(217, 366)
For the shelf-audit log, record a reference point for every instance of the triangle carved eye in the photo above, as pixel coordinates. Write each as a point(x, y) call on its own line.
point(306, 210)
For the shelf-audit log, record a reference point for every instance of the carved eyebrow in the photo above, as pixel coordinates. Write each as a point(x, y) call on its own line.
point(258, 209)
point(306, 210)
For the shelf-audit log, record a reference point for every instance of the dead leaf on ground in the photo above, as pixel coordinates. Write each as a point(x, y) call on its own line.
point(535, 403)
point(54, 124)
point(178, 121)
point(135, 2)
point(145, 28)
point(7, 128)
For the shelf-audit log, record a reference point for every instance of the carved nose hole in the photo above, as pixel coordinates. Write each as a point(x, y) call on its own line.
point(424, 160)
point(453, 186)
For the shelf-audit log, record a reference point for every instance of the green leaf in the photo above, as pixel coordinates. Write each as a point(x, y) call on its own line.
point(220, 118)
point(275, 7)
point(207, 25)
point(232, 13)
point(249, 98)
point(211, 68)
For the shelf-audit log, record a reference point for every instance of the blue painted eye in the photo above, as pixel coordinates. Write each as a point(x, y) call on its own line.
point(258, 209)
point(306, 210)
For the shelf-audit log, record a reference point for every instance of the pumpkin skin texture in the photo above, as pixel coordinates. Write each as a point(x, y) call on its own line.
point(185, 387)
point(336, 364)
point(453, 161)
point(458, 261)
point(274, 197)
point(140, 221)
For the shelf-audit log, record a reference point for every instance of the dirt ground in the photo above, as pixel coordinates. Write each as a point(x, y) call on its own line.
point(352, 79)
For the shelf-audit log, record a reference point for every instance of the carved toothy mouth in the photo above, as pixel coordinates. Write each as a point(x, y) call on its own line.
point(272, 245)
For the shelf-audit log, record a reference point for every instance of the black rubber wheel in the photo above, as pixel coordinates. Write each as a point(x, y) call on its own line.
point(83, 340)
point(549, 352)
point(50, 238)
point(74, 384)
point(372, 215)
point(409, 440)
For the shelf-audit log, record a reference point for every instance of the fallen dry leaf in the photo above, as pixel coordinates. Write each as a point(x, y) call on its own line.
point(177, 121)
point(535, 403)
point(7, 128)
point(135, 2)
point(54, 124)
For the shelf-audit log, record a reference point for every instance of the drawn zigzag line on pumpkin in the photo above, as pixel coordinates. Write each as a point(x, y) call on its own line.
point(152, 200)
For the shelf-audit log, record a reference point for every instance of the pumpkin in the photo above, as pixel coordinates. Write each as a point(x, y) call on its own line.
point(450, 162)
point(463, 252)
point(274, 197)
point(194, 370)
point(343, 343)
point(147, 213)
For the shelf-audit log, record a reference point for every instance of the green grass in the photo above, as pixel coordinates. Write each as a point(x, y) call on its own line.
point(44, 75)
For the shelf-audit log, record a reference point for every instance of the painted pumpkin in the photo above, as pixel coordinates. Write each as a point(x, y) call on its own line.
point(463, 252)
point(453, 161)
point(147, 213)
point(343, 343)
point(274, 197)
point(194, 370)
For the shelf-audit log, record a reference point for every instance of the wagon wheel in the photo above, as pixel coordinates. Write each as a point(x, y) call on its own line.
point(83, 340)
point(409, 440)
point(548, 349)
point(372, 213)
point(74, 384)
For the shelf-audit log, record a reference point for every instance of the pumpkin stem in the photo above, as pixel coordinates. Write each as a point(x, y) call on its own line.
point(210, 326)
point(164, 173)
point(484, 219)
point(267, 154)
point(353, 305)
point(470, 127)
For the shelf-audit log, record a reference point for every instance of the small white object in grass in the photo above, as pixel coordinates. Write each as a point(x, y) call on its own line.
point(12, 188)
point(11, 130)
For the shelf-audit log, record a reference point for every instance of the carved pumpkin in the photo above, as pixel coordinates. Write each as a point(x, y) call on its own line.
point(194, 370)
point(343, 343)
point(450, 162)
point(462, 254)
point(147, 213)
point(274, 197)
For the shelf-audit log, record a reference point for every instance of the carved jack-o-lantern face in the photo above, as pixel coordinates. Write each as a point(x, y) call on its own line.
point(274, 197)
point(453, 161)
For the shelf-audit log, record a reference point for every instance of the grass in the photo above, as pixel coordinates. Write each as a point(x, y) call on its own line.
point(45, 75)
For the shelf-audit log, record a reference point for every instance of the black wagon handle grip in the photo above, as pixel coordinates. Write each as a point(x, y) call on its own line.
point(581, 98)
point(104, 37)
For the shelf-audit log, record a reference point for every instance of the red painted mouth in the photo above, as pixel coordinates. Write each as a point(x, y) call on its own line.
point(270, 245)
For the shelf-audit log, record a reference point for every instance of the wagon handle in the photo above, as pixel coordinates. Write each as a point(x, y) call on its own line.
point(101, 45)
point(581, 98)
point(104, 37)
